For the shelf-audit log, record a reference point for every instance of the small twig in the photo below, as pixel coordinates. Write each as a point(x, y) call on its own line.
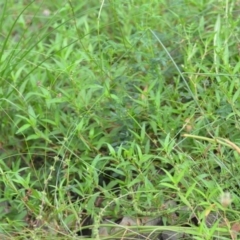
point(222, 141)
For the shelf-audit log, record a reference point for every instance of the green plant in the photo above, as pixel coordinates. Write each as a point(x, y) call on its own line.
point(118, 109)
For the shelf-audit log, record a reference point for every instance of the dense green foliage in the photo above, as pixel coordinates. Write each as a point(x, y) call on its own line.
point(96, 97)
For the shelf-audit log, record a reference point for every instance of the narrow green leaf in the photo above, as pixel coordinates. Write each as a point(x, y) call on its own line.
point(23, 128)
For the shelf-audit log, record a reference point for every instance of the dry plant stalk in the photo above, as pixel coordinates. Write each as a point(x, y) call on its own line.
point(222, 141)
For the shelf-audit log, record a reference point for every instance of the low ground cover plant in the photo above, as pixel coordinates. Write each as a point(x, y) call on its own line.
point(119, 119)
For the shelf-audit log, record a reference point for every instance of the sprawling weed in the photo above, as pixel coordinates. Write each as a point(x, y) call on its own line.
point(119, 119)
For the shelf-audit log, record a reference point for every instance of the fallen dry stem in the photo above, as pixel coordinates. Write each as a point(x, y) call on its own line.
point(222, 141)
